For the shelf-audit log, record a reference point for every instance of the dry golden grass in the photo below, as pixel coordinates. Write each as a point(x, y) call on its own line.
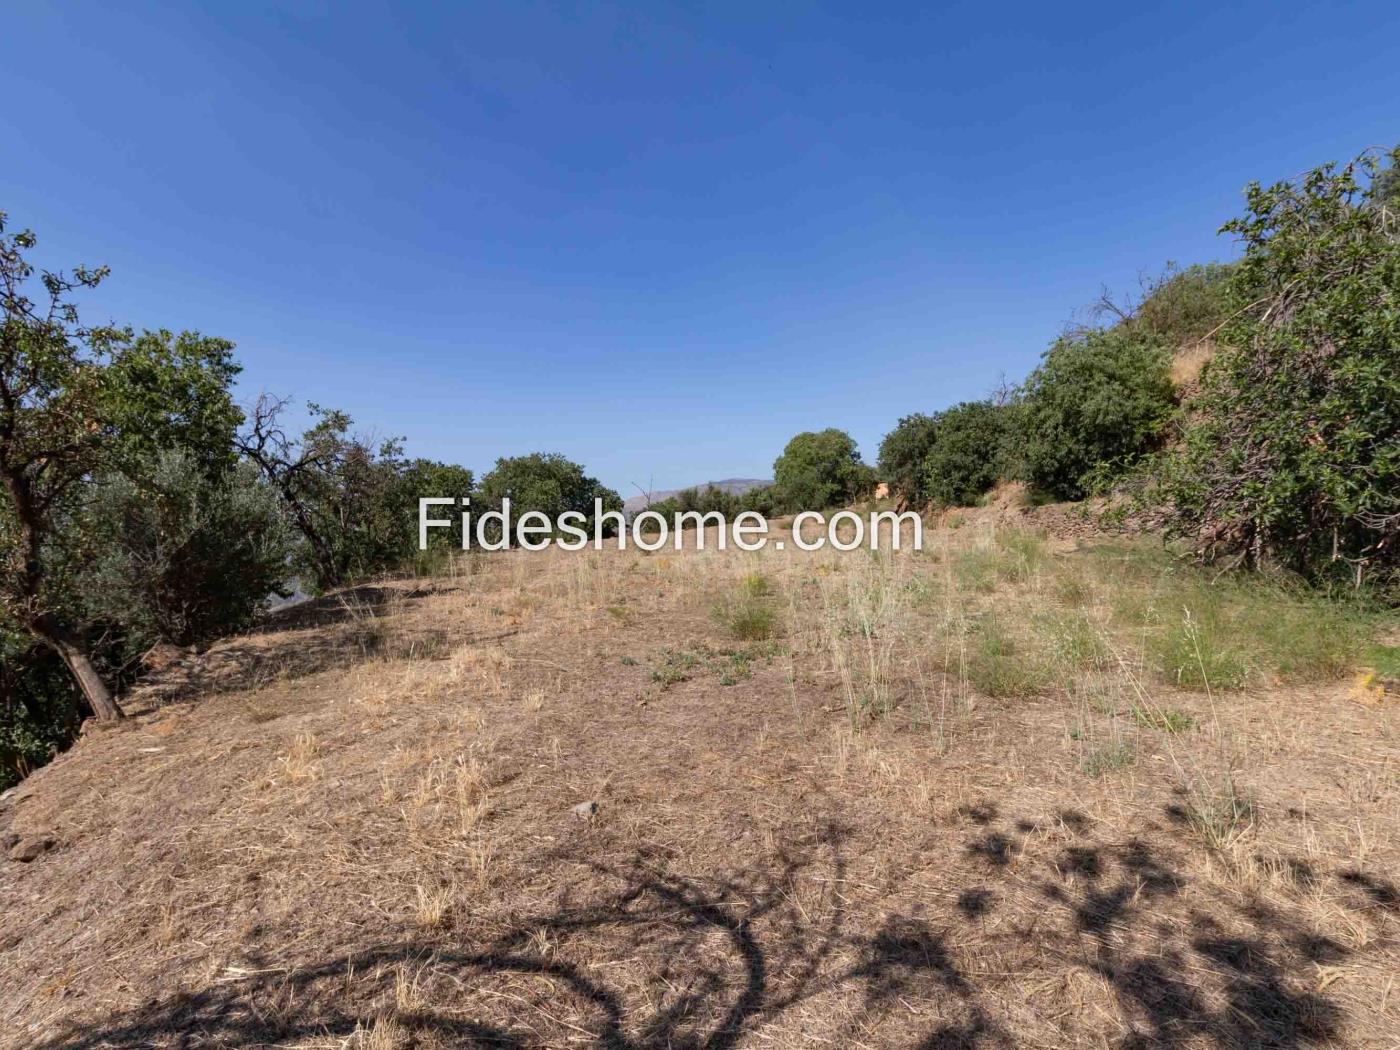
point(965, 796)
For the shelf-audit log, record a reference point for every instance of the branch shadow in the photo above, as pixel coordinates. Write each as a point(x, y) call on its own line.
point(657, 959)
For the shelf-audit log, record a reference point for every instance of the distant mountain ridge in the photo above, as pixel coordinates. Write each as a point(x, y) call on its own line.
point(733, 486)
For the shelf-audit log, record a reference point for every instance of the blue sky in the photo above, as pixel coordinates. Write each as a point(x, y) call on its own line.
point(660, 239)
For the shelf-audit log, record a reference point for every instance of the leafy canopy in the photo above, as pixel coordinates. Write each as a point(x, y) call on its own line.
point(1098, 403)
point(966, 456)
point(818, 470)
point(1294, 450)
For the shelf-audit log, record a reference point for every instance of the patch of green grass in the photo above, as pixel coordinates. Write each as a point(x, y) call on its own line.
point(1167, 719)
point(675, 666)
point(1072, 588)
point(1203, 629)
point(1384, 660)
point(1102, 759)
point(1000, 665)
point(755, 585)
point(1027, 550)
point(1075, 641)
point(749, 616)
point(1014, 556)
point(1298, 636)
point(1194, 652)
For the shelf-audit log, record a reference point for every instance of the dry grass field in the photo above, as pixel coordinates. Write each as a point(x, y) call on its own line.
point(1008, 791)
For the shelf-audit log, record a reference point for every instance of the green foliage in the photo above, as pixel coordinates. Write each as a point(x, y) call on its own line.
point(545, 482)
point(749, 614)
point(967, 455)
point(37, 703)
point(1384, 191)
point(818, 470)
point(168, 391)
point(675, 666)
point(79, 404)
point(180, 556)
point(426, 479)
point(1184, 305)
point(1294, 452)
point(902, 455)
point(1098, 403)
point(709, 500)
point(747, 619)
point(762, 500)
point(353, 501)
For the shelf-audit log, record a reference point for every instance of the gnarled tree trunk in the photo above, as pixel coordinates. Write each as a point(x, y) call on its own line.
point(99, 697)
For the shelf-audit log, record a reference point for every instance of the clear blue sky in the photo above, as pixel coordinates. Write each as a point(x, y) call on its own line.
point(660, 239)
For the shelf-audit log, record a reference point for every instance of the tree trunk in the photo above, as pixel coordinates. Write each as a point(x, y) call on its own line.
point(99, 697)
point(90, 682)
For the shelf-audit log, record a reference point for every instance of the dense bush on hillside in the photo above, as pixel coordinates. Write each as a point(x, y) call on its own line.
point(38, 705)
point(1294, 450)
point(343, 493)
point(1098, 403)
point(968, 452)
point(180, 556)
point(818, 470)
point(1184, 306)
point(902, 455)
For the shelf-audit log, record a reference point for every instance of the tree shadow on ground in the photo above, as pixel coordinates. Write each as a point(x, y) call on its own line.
point(349, 605)
point(254, 662)
point(659, 959)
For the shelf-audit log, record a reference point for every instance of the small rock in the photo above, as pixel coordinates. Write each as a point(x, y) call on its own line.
point(585, 810)
point(9, 841)
point(31, 848)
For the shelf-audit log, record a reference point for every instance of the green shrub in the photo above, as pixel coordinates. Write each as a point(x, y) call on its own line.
point(820, 470)
point(966, 457)
point(749, 615)
point(1184, 306)
point(1098, 403)
point(762, 500)
point(1293, 453)
point(675, 666)
point(748, 619)
point(902, 455)
point(545, 482)
point(181, 557)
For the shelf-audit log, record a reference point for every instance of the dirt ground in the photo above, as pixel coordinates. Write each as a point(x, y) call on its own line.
point(358, 826)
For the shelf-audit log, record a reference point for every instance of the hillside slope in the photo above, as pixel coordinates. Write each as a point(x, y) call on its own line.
point(358, 826)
